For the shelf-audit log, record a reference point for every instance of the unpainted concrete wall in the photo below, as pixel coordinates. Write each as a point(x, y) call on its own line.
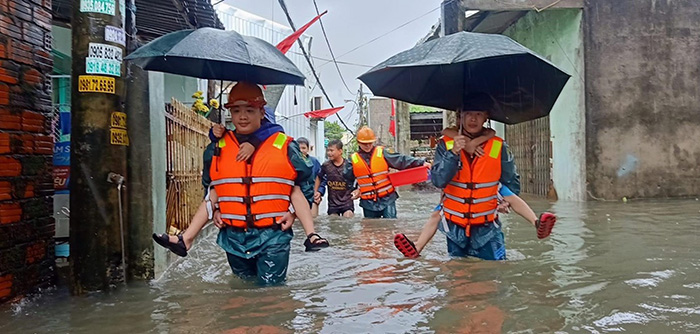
point(379, 119)
point(557, 35)
point(643, 98)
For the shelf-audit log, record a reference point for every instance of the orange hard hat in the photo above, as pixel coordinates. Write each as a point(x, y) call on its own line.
point(244, 93)
point(365, 135)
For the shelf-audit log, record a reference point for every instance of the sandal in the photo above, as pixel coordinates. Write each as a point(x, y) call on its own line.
point(405, 246)
point(178, 248)
point(545, 224)
point(317, 244)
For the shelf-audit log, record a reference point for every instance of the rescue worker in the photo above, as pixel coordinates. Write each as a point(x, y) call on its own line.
point(471, 184)
point(249, 199)
point(371, 165)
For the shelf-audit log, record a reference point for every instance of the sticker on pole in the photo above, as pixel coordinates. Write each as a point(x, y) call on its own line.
point(118, 137)
point(115, 35)
point(104, 51)
point(118, 120)
point(103, 66)
point(98, 6)
point(95, 84)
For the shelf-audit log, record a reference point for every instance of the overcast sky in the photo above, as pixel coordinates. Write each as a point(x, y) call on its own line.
point(349, 24)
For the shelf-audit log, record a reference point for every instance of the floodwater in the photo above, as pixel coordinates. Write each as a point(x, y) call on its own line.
point(608, 267)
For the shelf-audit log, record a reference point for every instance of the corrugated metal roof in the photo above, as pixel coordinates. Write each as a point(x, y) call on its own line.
point(155, 18)
point(416, 109)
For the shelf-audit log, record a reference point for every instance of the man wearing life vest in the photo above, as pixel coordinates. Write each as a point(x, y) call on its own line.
point(471, 183)
point(371, 165)
point(250, 198)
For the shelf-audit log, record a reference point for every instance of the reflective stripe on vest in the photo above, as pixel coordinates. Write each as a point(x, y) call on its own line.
point(472, 215)
point(471, 197)
point(474, 185)
point(254, 194)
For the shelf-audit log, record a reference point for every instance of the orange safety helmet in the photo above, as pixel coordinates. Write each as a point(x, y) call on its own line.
point(246, 93)
point(365, 135)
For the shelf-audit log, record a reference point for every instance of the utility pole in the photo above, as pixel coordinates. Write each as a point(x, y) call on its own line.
point(362, 104)
point(99, 142)
point(141, 184)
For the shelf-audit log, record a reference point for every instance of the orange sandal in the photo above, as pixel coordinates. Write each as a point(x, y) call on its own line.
point(545, 224)
point(405, 246)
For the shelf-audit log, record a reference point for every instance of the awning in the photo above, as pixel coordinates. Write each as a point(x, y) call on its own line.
point(322, 113)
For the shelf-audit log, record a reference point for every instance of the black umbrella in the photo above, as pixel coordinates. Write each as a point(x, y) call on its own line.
point(210, 53)
point(444, 72)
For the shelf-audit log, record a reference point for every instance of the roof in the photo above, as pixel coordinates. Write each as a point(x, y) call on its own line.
point(155, 18)
point(492, 22)
point(416, 109)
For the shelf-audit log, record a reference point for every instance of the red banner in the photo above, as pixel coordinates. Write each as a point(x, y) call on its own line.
point(322, 113)
point(288, 42)
point(392, 123)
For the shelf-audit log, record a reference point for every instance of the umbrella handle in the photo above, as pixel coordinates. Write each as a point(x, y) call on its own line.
point(459, 120)
point(221, 96)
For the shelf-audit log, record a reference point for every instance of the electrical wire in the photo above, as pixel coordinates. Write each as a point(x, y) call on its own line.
point(325, 36)
point(382, 35)
point(308, 60)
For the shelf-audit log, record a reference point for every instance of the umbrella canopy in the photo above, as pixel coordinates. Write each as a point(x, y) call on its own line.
point(210, 53)
point(445, 72)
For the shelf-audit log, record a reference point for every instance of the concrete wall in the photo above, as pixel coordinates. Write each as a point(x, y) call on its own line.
point(557, 35)
point(643, 102)
point(179, 87)
point(161, 256)
point(26, 149)
point(379, 119)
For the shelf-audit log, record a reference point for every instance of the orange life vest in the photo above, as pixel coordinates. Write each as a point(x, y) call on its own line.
point(471, 197)
point(253, 194)
point(373, 179)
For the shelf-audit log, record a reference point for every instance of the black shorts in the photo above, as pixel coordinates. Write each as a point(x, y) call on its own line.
point(340, 211)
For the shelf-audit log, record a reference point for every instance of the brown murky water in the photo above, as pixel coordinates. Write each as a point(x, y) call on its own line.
point(608, 267)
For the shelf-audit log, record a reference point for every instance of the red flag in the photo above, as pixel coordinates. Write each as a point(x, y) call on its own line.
point(322, 113)
point(392, 124)
point(287, 43)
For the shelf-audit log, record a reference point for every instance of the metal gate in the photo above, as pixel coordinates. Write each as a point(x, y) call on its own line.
point(531, 146)
point(187, 135)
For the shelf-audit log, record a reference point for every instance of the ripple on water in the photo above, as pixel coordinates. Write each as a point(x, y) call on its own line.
point(621, 318)
point(656, 278)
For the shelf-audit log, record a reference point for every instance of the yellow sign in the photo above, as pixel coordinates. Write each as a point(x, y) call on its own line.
point(95, 84)
point(118, 120)
point(118, 137)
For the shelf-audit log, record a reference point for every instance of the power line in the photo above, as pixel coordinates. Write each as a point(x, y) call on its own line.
point(308, 60)
point(331, 60)
point(380, 36)
point(323, 29)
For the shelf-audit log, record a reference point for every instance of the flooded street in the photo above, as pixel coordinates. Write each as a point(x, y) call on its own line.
point(607, 267)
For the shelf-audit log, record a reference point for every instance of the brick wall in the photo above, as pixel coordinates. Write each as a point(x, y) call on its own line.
point(26, 148)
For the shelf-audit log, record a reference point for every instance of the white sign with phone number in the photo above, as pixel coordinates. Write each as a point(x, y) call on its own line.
point(115, 35)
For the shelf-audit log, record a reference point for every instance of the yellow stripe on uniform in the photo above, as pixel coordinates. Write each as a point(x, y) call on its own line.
point(495, 149)
point(449, 144)
point(380, 152)
point(280, 140)
point(222, 142)
point(355, 159)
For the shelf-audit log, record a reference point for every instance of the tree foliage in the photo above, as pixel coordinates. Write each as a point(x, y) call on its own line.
point(333, 130)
